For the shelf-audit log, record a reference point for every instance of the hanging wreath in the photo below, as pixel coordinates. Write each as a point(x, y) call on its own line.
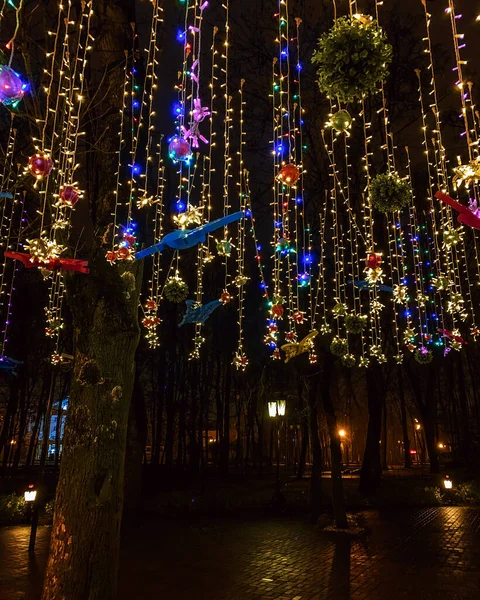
point(339, 347)
point(423, 356)
point(349, 361)
point(355, 323)
point(352, 58)
point(390, 193)
point(175, 290)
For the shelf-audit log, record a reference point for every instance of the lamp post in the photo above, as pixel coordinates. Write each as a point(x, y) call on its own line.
point(276, 410)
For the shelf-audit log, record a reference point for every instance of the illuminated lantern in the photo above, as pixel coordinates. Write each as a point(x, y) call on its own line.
point(298, 317)
point(341, 121)
point(373, 261)
point(179, 149)
point(12, 88)
point(289, 175)
point(40, 165)
point(69, 195)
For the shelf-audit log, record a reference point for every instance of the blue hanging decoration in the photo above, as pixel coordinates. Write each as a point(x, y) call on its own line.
point(365, 285)
point(199, 314)
point(9, 364)
point(188, 238)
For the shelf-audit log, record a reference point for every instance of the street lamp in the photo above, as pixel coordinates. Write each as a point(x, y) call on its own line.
point(447, 483)
point(30, 494)
point(276, 410)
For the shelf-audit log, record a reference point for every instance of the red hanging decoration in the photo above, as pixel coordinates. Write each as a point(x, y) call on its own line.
point(69, 195)
point(40, 165)
point(289, 174)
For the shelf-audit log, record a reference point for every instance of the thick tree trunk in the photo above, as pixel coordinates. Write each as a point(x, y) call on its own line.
point(338, 497)
point(303, 452)
point(136, 438)
point(403, 410)
point(371, 472)
point(85, 538)
point(316, 477)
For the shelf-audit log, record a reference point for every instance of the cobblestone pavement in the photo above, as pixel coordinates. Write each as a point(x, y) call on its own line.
point(427, 554)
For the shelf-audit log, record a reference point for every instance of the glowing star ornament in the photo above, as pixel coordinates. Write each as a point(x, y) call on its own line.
point(400, 293)
point(191, 216)
point(298, 317)
point(289, 175)
point(179, 150)
point(12, 88)
point(468, 173)
point(40, 165)
point(240, 360)
point(442, 282)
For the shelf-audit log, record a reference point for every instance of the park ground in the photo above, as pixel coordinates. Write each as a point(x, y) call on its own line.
point(424, 554)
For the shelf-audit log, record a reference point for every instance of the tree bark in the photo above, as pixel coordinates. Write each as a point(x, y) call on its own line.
point(371, 472)
point(403, 411)
point(85, 539)
point(316, 477)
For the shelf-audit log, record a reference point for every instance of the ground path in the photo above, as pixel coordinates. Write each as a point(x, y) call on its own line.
point(427, 554)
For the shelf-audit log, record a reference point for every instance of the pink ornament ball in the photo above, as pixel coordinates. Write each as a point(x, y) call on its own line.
point(179, 149)
point(40, 165)
point(69, 195)
point(12, 88)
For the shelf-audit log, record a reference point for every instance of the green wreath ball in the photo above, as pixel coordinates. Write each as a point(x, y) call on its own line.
point(389, 193)
point(423, 359)
point(352, 58)
point(175, 290)
point(349, 361)
point(339, 347)
point(355, 323)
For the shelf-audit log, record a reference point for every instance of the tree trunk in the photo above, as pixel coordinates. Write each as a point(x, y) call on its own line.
point(371, 472)
point(136, 438)
point(303, 452)
point(316, 477)
point(403, 410)
point(338, 497)
point(85, 538)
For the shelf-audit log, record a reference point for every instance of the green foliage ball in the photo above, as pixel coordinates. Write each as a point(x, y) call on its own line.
point(349, 361)
point(352, 58)
point(355, 323)
point(423, 359)
point(339, 347)
point(389, 193)
point(175, 290)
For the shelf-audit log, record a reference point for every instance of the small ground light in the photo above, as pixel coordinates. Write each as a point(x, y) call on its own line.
point(30, 494)
point(447, 483)
point(441, 446)
point(342, 433)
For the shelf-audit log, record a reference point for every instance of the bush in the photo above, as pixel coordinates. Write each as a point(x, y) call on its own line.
point(390, 193)
point(352, 58)
point(12, 509)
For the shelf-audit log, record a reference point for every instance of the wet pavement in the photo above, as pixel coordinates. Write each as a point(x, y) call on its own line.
point(427, 554)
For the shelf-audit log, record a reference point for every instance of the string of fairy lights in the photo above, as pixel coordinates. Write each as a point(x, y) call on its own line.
point(415, 291)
